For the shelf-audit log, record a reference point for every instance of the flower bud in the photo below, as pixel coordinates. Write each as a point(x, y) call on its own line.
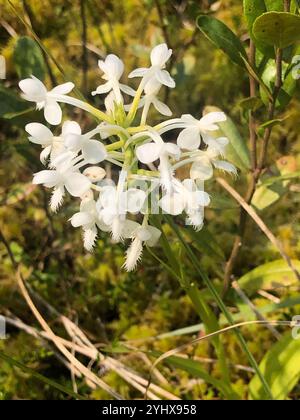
point(94, 173)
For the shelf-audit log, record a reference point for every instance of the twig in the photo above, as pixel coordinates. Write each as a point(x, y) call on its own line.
point(253, 308)
point(252, 131)
point(84, 47)
point(259, 223)
point(86, 372)
point(256, 170)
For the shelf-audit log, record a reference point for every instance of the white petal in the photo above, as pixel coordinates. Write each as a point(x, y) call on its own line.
point(189, 139)
point(134, 199)
point(63, 89)
point(201, 170)
point(162, 108)
point(70, 127)
point(52, 112)
point(172, 204)
point(208, 122)
point(155, 235)
point(127, 89)
point(34, 89)
point(172, 150)
point(49, 178)
point(160, 55)
point(164, 78)
point(143, 234)
point(102, 89)
point(81, 218)
point(225, 166)
point(94, 173)
point(202, 198)
point(94, 152)
point(140, 72)
point(108, 197)
point(189, 119)
point(77, 184)
point(152, 87)
point(40, 133)
point(74, 142)
point(129, 228)
point(147, 153)
point(114, 65)
point(102, 66)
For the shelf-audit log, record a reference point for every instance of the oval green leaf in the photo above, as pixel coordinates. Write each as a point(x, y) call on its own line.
point(269, 276)
point(277, 28)
point(281, 368)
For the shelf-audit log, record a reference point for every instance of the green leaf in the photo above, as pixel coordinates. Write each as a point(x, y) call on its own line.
point(279, 29)
point(222, 37)
point(266, 196)
point(274, 5)
point(252, 103)
point(271, 123)
point(28, 59)
point(274, 179)
point(195, 368)
point(252, 10)
point(237, 150)
point(281, 368)
point(206, 242)
point(269, 276)
point(288, 88)
point(11, 104)
point(220, 303)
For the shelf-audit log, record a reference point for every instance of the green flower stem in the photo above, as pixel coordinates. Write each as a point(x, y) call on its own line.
point(82, 105)
point(135, 103)
point(115, 146)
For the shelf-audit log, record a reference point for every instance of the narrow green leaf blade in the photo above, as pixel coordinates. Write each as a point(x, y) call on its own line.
point(222, 37)
point(28, 59)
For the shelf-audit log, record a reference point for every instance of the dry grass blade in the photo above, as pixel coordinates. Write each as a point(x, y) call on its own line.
point(78, 365)
point(254, 309)
point(259, 223)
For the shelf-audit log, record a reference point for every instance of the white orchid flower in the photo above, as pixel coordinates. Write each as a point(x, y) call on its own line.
point(204, 163)
point(158, 149)
point(52, 145)
point(35, 91)
point(114, 203)
point(190, 137)
point(187, 197)
point(88, 219)
point(93, 151)
point(140, 235)
point(65, 175)
point(159, 56)
point(113, 69)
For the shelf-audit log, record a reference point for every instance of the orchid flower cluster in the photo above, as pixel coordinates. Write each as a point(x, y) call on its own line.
point(76, 161)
